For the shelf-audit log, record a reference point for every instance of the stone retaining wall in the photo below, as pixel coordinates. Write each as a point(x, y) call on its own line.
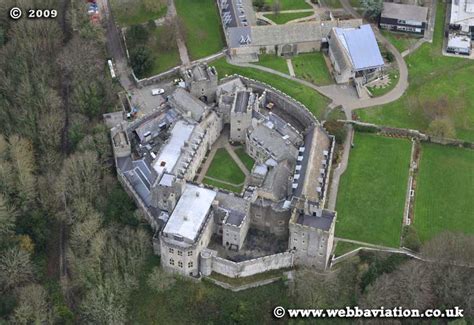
point(251, 267)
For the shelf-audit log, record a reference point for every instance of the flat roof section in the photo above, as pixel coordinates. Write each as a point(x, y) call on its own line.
point(171, 151)
point(323, 220)
point(190, 212)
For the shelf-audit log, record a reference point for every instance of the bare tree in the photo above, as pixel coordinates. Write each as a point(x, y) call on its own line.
point(160, 281)
point(23, 160)
point(276, 7)
point(15, 268)
point(33, 306)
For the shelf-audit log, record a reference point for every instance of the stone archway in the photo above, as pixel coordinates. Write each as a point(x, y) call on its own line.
point(287, 50)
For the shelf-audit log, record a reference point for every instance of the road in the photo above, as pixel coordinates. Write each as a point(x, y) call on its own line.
point(115, 46)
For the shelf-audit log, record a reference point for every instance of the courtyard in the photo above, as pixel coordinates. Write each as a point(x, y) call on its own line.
point(371, 194)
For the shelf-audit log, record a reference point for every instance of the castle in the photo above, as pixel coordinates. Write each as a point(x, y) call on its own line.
point(277, 221)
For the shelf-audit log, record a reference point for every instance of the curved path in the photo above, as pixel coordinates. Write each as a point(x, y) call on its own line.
point(402, 84)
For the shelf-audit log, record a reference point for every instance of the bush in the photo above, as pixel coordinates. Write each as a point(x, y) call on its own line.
point(442, 127)
point(160, 281)
point(337, 129)
point(365, 128)
point(410, 239)
point(141, 60)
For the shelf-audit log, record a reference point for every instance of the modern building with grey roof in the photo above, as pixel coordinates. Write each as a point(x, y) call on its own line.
point(404, 18)
point(355, 54)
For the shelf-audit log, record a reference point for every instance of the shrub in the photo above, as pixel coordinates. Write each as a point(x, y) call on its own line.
point(411, 239)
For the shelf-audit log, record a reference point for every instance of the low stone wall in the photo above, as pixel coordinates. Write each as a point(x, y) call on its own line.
point(252, 267)
point(173, 72)
point(408, 133)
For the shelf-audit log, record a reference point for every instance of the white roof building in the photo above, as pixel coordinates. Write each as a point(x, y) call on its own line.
point(169, 155)
point(190, 213)
point(462, 14)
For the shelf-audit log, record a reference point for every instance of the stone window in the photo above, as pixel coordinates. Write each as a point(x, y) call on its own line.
point(180, 253)
point(171, 261)
point(190, 264)
point(180, 264)
point(281, 222)
point(190, 253)
point(171, 251)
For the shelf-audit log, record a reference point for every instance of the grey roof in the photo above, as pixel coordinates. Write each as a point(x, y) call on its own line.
point(362, 47)
point(340, 54)
point(167, 180)
point(235, 218)
point(235, 36)
point(404, 12)
point(323, 220)
point(268, 138)
point(185, 102)
point(276, 180)
point(241, 101)
point(286, 34)
point(141, 176)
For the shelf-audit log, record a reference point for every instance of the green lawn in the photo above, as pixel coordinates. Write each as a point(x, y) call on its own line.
point(224, 168)
point(290, 4)
point(231, 188)
point(379, 91)
point(343, 247)
point(164, 60)
point(312, 67)
point(372, 190)
point(246, 159)
point(445, 191)
point(203, 27)
point(401, 41)
point(134, 13)
point(314, 101)
point(333, 3)
point(274, 62)
point(283, 18)
point(436, 81)
point(188, 302)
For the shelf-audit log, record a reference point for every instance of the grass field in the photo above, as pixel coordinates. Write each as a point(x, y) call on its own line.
point(203, 28)
point(372, 190)
point(283, 18)
point(379, 91)
point(314, 101)
point(246, 159)
point(343, 247)
point(290, 4)
point(231, 188)
point(225, 169)
point(435, 81)
point(312, 67)
point(136, 14)
point(204, 303)
point(164, 60)
point(274, 62)
point(400, 41)
point(445, 191)
point(333, 3)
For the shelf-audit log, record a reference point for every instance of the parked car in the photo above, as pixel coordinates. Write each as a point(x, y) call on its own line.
point(157, 91)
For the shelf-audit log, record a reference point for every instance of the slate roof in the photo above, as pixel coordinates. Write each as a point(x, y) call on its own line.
point(404, 12)
point(361, 45)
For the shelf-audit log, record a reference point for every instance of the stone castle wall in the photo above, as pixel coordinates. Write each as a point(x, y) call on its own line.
point(252, 267)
